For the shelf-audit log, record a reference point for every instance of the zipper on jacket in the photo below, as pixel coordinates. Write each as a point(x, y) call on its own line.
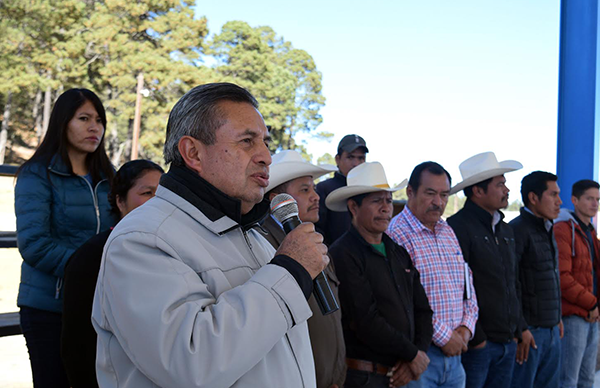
point(92, 191)
point(583, 235)
point(59, 283)
point(95, 199)
point(289, 342)
point(250, 247)
point(98, 204)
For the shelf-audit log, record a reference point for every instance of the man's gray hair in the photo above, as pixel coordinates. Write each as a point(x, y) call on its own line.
point(197, 114)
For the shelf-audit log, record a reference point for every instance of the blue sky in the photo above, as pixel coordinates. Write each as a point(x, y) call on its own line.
point(425, 80)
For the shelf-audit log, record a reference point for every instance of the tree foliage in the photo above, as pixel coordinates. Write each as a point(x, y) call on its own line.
point(284, 80)
point(49, 46)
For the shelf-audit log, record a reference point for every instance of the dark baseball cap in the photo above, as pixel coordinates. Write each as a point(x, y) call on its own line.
point(351, 142)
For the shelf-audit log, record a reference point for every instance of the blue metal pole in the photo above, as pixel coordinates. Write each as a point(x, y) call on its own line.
point(578, 100)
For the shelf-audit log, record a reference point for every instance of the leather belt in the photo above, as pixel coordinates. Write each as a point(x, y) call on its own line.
point(367, 366)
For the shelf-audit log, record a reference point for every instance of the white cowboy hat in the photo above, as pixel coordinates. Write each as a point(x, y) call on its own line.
point(481, 167)
point(362, 179)
point(289, 164)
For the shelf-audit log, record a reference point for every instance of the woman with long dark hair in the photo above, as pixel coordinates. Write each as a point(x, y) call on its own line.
point(61, 200)
point(134, 184)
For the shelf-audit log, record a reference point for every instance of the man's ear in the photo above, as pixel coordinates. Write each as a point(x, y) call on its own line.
point(409, 191)
point(337, 160)
point(191, 151)
point(533, 198)
point(477, 191)
point(352, 207)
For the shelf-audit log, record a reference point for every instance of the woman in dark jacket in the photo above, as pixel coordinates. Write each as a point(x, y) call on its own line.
point(134, 184)
point(61, 200)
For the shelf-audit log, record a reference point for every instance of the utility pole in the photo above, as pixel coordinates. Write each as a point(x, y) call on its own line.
point(137, 120)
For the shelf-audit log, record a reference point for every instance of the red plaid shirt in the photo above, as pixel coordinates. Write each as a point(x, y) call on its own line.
point(438, 258)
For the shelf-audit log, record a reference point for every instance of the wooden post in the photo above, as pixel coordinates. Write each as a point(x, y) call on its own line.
point(137, 120)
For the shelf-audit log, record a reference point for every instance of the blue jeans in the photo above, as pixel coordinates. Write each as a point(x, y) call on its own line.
point(579, 348)
point(41, 330)
point(542, 368)
point(490, 367)
point(442, 371)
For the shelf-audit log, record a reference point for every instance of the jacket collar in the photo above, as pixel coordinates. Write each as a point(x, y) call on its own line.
point(387, 241)
point(583, 226)
point(481, 214)
point(210, 201)
point(538, 221)
point(340, 178)
point(58, 165)
point(569, 216)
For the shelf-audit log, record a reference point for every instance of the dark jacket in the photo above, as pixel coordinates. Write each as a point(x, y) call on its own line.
point(56, 211)
point(492, 258)
point(325, 331)
point(538, 271)
point(574, 257)
point(78, 337)
point(386, 315)
point(331, 224)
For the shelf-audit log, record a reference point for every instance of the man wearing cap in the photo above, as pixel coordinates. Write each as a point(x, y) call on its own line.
point(291, 174)
point(351, 152)
point(538, 354)
point(488, 246)
point(387, 318)
point(446, 277)
point(578, 255)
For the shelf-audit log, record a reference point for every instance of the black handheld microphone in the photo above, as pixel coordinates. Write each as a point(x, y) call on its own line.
point(285, 209)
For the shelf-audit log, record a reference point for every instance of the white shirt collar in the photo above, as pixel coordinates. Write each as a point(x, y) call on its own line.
point(496, 218)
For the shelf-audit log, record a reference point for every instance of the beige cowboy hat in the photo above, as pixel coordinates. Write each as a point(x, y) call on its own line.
point(289, 164)
point(481, 167)
point(362, 179)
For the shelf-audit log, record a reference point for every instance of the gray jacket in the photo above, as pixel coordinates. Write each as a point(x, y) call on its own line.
point(186, 301)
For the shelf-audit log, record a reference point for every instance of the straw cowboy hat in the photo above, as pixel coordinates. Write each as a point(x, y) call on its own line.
point(481, 167)
point(362, 179)
point(289, 164)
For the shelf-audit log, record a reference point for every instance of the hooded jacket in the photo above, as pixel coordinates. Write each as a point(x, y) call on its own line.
point(574, 255)
point(56, 211)
point(186, 297)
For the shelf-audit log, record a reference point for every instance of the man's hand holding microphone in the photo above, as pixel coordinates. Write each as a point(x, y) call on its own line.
point(303, 244)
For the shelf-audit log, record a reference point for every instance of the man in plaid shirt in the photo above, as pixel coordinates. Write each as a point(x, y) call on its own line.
point(447, 279)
